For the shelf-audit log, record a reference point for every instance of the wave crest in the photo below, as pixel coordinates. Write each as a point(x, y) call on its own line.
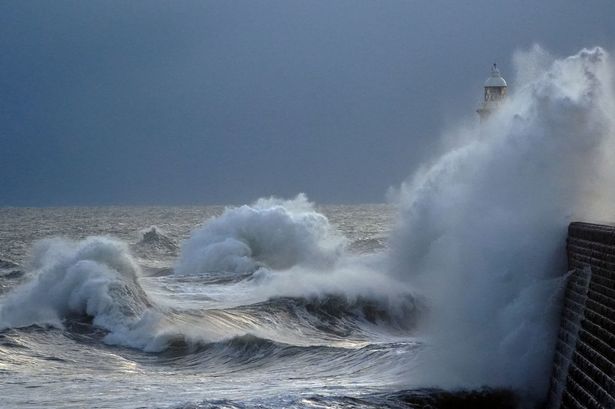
point(95, 277)
point(483, 228)
point(271, 233)
point(155, 239)
point(341, 315)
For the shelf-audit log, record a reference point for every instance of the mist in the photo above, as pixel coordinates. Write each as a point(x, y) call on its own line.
point(482, 229)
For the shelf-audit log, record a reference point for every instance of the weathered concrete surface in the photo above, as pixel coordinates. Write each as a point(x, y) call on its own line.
point(584, 364)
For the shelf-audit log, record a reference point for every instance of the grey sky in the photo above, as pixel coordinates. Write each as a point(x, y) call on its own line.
point(177, 102)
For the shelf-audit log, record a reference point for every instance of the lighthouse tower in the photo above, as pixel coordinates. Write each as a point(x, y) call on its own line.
point(495, 92)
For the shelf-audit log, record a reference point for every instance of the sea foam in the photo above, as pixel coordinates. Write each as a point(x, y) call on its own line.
point(272, 233)
point(483, 227)
point(96, 277)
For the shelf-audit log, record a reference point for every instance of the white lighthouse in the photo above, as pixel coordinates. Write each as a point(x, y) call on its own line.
point(495, 92)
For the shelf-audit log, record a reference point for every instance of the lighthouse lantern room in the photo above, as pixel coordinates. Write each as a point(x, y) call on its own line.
point(495, 92)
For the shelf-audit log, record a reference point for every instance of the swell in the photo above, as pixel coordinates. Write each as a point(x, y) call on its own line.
point(285, 331)
point(319, 321)
point(11, 274)
point(249, 352)
point(337, 314)
point(155, 242)
point(245, 353)
point(8, 265)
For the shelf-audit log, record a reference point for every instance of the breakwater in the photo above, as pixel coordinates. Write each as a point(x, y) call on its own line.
point(584, 362)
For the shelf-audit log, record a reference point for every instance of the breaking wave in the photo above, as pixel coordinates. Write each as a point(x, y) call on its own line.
point(95, 282)
point(155, 239)
point(336, 314)
point(271, 233)
point(482, 229)
point(95, 278)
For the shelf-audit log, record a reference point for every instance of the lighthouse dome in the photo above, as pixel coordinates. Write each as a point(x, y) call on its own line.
point(495, 79)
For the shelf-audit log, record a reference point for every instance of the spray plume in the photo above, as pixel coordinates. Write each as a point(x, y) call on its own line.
point(482, 229)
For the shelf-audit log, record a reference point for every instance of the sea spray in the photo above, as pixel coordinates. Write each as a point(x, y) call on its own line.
point(294, 252)
point(155, 238)
point(96, 277)
point(272, 233)
point(289, 249)
point(482, 229)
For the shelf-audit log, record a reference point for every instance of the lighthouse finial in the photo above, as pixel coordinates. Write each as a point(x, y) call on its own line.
point(494, 70)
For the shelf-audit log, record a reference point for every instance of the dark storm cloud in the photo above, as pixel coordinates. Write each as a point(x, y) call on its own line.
point(225, 101)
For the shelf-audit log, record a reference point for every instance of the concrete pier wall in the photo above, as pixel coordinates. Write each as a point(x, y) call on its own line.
point(584, 363)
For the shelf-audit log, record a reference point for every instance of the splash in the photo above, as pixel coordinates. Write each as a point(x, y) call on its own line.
point(272, 233)
point(95, 277)
point(286, 248)
point(155, 238)
point(482, 229)
point(294, 249)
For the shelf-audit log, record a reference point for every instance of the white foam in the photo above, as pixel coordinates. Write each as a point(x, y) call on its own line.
point(95, 277)
point(271, 233)
point(483, 228)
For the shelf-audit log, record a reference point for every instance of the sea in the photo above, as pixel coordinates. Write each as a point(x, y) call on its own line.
point(98, 311)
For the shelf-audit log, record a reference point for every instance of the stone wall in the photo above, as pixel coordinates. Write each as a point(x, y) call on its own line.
point(584, 364)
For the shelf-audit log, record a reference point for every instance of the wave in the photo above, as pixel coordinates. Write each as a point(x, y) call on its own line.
point(94, 284)
point(87, 286)
point(271, 233)
point(369, 245)
point(95, 278)
point(8, 265)
point(9, 272)
point(338, 314)
point(235, 350)
point(247, 353)
point(154, 239)
point(325, 320)
point(483, 228)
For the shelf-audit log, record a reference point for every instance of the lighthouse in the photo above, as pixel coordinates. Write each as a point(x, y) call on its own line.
point(495, 92)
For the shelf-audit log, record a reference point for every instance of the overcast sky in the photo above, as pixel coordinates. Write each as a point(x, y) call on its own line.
point(180, 102)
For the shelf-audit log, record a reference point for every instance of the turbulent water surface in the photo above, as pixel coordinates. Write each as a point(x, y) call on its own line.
point(161, 339)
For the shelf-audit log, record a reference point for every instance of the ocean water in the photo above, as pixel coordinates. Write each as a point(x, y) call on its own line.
point(203, 340)
point(315, 348)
